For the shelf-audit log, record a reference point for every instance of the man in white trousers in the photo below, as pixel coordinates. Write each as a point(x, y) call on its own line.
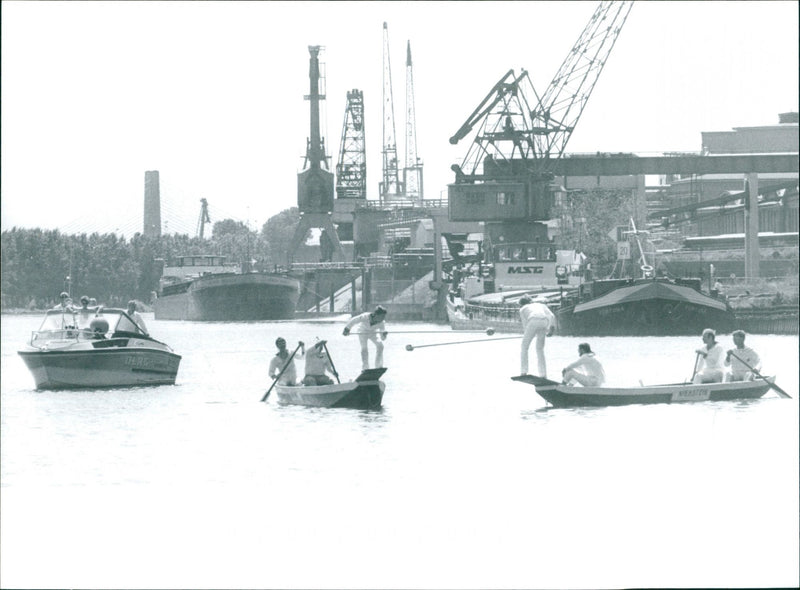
point(370, 324)
point(537, 322)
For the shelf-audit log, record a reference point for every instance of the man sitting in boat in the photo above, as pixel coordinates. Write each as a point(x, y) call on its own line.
point(710, 357)
point(587, 370)
point(135, 316)
point(741, 360)
point(282, 364)
point(317, 363)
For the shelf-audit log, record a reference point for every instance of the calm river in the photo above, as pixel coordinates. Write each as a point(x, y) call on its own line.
point(462, 480)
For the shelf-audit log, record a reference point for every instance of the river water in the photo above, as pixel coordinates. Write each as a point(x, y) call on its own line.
point(464, 479)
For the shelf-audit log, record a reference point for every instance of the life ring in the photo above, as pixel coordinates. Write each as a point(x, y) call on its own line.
point(646, 268)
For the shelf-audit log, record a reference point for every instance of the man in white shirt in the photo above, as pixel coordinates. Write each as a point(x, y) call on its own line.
point(317, 364)
point(370, 324)
point(739, 358)
point(537, 322)
point(135, 316)
point(587, 370)
point(709, 367)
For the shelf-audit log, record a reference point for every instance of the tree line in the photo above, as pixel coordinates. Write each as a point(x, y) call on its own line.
point(39, 264)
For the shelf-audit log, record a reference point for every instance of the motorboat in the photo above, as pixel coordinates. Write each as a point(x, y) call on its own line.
point(96, 348)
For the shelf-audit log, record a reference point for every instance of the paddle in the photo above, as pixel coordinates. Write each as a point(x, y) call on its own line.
point(285, 366)
point(409, 347)
point(780, 391)
point(694, 372)
point(325, 346)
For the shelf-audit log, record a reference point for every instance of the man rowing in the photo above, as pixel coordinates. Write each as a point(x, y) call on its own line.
point(282, 364)
point(741, 360)
point(710, 369)
point(317, 364)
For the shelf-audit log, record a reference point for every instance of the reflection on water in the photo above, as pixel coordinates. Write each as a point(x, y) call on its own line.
point(463, 478)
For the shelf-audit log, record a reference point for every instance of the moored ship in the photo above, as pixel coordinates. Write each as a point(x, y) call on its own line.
point(643, 307)
point(206, 288)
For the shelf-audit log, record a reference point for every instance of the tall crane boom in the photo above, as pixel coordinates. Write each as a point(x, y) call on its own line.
point(511, 129)
point(390, 187)
point(412, 173)
point(563, 102)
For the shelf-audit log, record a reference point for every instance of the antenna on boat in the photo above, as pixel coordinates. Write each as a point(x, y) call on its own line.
point(646, 268)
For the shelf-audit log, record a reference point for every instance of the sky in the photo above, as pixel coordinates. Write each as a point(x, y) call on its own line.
point(210, 94)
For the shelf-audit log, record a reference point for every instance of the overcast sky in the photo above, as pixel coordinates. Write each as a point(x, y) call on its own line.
point(210, 94)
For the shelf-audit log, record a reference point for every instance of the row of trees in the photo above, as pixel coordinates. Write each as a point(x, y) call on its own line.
point(38, 264)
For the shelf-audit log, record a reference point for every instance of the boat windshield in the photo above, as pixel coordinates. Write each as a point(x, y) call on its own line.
point(118, 320)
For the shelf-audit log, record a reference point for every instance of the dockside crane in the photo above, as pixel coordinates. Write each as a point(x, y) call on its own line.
point(315, 187)
point(204, 218)
point(390, 187)
point(412, 173)
point(519, 133)
point(351, 170)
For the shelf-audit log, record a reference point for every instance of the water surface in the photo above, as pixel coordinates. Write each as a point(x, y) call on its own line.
point(464, 479)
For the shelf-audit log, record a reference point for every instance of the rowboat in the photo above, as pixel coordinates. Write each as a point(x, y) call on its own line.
point(366, 392)
point(567, 396)
point(104, 348)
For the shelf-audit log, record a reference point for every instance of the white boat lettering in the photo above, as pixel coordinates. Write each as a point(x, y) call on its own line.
point(691, 394)
point(525, 270)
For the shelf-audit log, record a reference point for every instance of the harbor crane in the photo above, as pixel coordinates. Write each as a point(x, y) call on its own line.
point(315, 186)
point(351, 171)
point(519, 132)
point(412, 173)
point(204, 218)
point(390, 187)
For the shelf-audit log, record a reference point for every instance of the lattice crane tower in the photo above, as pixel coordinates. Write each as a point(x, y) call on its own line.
point(412, 173)
point(351, 171)
point(390, 187)
point(520, 133)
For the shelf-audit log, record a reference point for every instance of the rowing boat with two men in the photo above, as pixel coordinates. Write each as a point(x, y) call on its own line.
point(561, 395)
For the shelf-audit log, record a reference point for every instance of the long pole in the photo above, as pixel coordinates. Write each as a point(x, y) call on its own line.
point(409, 347)
point(286, 366)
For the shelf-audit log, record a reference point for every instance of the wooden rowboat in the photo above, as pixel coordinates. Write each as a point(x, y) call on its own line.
point(566, 396)
point(366, 392)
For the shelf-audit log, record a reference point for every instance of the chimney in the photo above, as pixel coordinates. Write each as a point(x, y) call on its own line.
point(152, 205)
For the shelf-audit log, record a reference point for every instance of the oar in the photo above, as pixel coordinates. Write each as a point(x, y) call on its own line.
point(286, 366)
point(780, 391)
point(694, 372)
point(409, 347)
point(487, 331)
point(325, 346)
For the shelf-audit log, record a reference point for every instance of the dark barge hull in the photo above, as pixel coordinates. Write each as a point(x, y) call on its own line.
point(646, 309)
point(229, 297)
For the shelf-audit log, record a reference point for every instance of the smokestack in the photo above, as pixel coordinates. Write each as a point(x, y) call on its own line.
point(152, 205)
